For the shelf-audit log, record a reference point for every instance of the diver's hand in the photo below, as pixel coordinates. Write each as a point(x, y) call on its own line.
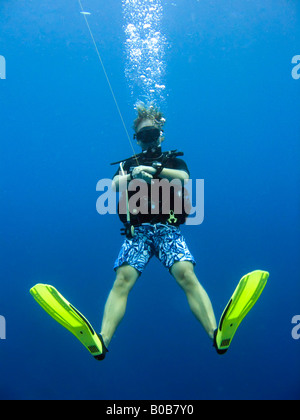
point(149, 169)
point(140, 173)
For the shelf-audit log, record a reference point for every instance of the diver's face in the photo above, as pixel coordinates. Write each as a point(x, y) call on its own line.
point(147, 134)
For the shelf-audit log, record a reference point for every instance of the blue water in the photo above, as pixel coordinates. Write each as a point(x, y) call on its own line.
point(232, 106)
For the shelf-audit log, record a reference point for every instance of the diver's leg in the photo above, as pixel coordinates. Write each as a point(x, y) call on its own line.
point(198, 299)
point(115, 306)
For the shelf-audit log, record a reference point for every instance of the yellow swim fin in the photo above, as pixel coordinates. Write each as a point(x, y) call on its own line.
point(242, 301)
point(69, 317)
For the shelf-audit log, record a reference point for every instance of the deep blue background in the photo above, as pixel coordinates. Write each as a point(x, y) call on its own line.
point(233, 108)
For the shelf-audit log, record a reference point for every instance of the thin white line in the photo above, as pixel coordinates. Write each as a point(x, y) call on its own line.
point(107, 78)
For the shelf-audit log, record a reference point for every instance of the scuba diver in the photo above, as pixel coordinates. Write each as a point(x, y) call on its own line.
point(152, 231)
point(154, 234)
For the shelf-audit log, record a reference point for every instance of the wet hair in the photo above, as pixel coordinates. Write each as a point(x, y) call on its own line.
point(148, 113)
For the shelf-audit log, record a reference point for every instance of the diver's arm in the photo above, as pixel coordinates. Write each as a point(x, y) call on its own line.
point(171, 174)
point(168, 173)
point(120, 182)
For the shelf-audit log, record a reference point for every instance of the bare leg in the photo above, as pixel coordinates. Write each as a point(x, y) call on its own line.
point(198, 299)
point(117, 301)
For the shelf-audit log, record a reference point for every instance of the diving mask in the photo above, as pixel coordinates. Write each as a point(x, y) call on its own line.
point(148, 135)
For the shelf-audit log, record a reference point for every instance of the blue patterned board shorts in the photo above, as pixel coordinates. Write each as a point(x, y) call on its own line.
point(164, 241)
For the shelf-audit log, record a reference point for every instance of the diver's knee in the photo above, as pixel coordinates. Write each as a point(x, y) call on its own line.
point(125, 279)
point(185, 277)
